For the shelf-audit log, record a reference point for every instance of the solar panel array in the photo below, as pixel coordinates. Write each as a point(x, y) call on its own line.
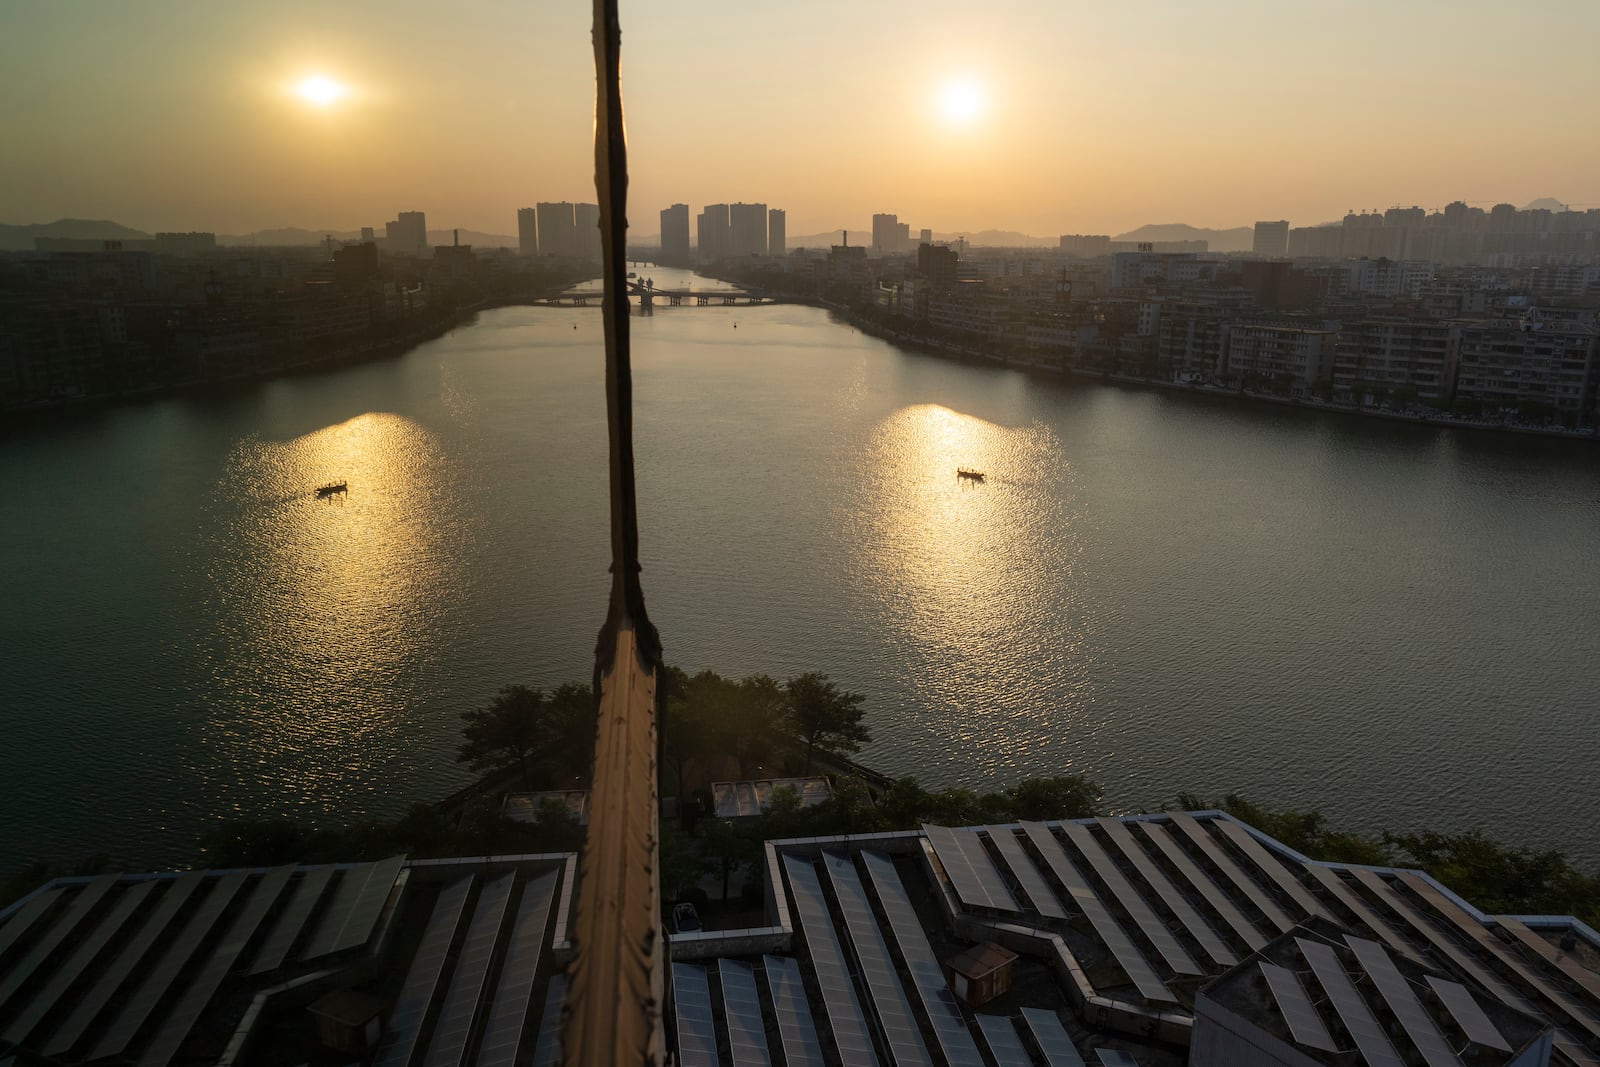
point(155, 983)
point(1213, 894)
point(24, 918)
point(1045, 901)
point(1305, 1024)
point(1589, 980)
point(938, 1002)
point(1052, 1039)
point(1353, 1011)
point(307, 891)
point(502, 1034)
point(43, 1001)
point(1003, 1042)
point(976, 881)
point(697, 1029)
point(83, 903)
point(1154, 927)
point(1258, 854)
point(797, 1028)
point(1398, 995)
point(1127, 954)
point(1330, 880)
point(741, 1007)
point(422, 978)
point(1171, 895)
point(173, 897)
point(1242, 881)
point(845, 1018)
point(357, 904)
point(898, 1024)
point(448, 1045)
point(181, 1019)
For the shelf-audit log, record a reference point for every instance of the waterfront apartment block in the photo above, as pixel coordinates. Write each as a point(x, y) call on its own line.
point(1402, 358)
point(1535, 365)
point(1292, 358)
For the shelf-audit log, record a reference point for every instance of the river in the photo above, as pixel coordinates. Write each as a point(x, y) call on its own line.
point(1394, 623)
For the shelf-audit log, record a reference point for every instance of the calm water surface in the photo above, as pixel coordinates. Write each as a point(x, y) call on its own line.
point(1394, 623)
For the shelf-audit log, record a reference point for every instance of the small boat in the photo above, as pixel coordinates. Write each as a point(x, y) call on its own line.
point(969, 474)
point(332, 488)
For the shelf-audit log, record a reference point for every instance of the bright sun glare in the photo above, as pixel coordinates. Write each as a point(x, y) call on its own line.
point(319, 90)
point(963, 101)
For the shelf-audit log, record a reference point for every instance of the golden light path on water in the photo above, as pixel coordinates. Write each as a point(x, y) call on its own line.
point(330, 604)
point(960, 568)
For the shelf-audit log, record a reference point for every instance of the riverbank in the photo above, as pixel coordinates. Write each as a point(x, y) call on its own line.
point(968, 353)
point(366, 351)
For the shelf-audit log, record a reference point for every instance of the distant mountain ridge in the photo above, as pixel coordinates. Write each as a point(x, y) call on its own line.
point(1237, 239)
point(20, 238)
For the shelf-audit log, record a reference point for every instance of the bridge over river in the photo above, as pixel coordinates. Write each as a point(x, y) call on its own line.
point(646, 297)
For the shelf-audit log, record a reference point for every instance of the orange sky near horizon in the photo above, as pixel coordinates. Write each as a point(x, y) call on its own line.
point(1077, 117)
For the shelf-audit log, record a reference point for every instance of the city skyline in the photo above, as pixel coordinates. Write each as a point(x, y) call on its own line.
point(1042, 120)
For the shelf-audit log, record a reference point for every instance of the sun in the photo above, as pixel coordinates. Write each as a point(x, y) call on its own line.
point(320, 90)
point(962, 102)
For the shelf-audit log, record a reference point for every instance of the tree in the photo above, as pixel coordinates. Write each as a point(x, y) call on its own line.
point(506, 732)
point(570, 722)
point(1068, 796)
point(826, 717)
point(763, 725)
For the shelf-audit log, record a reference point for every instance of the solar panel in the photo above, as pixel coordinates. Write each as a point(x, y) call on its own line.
point(1397, 993)
point(1305, 1024)
point(502, 1034)
point(797, 1029)
point(154, 984)
point(330, 923)
point(1045, 901)
point(899, 1026)
point(284, 933)
point(71, 1030)
point(1110, 1057)
point(1127, 954)
point(181, 1019)
point(940, 1004)
point(448, 1045)
point(1467, 1013)
point(697, 1029)
point(1052, 1039)
point(547, 1050)
point(1220, 902)
point(127, 903)
point(976, 881)
point(368, 905)
point(845, 1018)
point(1003, 1041)
point(83, 903)
point(1574, 1053)
point(1347, 1001)
point(1154, 927)
point(1549, 954)
point(1583, 1014)
point(422, 977)
point(741, 1007)
point(1198, 928)
point(1331, 881)
point(1258, 854)
point(25, 917)
point(1232, 871)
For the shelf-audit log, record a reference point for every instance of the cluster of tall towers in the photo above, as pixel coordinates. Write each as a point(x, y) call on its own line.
point(722, 231)
point(561, 229)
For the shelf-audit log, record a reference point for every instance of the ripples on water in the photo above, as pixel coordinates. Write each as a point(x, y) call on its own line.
point(1393, 623)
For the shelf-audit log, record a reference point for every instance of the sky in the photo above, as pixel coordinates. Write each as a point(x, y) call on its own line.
point(1044, 116)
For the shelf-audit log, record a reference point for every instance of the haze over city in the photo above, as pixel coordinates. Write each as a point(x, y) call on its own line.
point(1043, 118)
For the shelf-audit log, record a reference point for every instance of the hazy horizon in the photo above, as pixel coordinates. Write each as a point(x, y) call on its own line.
point(1040, 118)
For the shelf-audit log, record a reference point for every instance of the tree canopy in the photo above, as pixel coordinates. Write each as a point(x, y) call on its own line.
point(522, 727)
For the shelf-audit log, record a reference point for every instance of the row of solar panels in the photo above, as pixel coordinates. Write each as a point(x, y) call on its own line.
point(742, 1011)
point(746, 1033)
point(1244, 871)
point(101, 957)
point(896, 1022)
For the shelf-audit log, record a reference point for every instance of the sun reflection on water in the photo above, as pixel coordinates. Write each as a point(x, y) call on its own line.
point(329, 608)
point(961, 569)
